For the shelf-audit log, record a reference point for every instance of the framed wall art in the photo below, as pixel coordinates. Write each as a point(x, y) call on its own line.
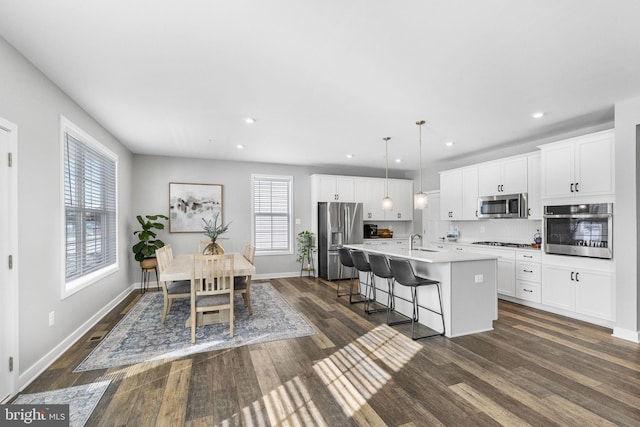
point(190, 203)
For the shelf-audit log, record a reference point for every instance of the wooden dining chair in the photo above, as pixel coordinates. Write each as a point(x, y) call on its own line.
point(211, 288)
point(170, 290)
point(242, 284)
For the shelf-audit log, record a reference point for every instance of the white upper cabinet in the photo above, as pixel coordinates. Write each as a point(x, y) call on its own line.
point(451, 195)
point(333, 188)
point(470, 193)
point(459, 194)
point(506, 176)
point(370, 192)
point(534, 186)
point(581, 166)
point(401, 192)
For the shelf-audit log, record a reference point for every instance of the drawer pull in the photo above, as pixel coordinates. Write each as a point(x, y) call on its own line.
point(528, 256)
point(528, 271)
point(527, 290)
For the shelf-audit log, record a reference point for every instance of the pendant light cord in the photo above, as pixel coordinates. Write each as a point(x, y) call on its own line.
point(386, 168)
point(420, 123)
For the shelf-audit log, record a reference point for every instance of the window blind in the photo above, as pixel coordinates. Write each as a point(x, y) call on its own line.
point(90, 209)
point(272, 213)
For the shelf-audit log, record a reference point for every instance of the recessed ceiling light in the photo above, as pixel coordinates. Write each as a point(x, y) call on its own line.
point(349, 156)
point(537, 114)
point(250, 120)
point(398, 160)
point(449, 143)
point(240, 146)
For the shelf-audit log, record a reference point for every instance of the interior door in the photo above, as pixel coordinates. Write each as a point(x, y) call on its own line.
point(8, 285)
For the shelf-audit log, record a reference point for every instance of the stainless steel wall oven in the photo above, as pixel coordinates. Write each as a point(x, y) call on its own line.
point(581, 230)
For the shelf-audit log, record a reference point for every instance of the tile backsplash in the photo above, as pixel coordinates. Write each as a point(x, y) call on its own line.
point(497, 230)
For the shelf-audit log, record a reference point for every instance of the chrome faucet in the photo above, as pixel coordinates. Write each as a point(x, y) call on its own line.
point(413, 236)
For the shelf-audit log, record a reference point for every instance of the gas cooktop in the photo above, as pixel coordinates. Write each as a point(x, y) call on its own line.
point(505, 244)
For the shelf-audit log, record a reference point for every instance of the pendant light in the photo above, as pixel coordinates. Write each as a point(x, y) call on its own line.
point(420, 198)
point(387, 202)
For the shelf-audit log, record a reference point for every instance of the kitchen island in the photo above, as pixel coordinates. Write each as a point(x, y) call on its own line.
point(467, 282)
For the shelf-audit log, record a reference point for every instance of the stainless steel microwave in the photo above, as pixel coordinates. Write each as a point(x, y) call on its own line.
point(503, 206)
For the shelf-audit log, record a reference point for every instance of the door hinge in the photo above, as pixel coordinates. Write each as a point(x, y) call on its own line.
point(10, 159)
point(10, 262)
point(11, 364)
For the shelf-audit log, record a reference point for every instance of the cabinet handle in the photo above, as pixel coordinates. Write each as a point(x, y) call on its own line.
point(498, 188)
point(527, 290)
point(458, 249)
point(399, 215)
point(528, 271)
point(527, 256)
point(572, 274)
point(577, 273)
point(476, 213)
point(528, 211)
point(577, 189)
point(572, 187)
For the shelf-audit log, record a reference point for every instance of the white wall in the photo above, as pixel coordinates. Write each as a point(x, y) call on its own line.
point(625, 226)
point(34, 104)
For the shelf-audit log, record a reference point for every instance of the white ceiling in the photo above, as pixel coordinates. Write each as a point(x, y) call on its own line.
point(326, 78)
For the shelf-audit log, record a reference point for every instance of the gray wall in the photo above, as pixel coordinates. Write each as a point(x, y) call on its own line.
point(34, 104)
point(152, 175)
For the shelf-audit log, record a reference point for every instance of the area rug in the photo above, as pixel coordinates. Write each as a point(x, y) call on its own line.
point(140, 337)
point(81, 399)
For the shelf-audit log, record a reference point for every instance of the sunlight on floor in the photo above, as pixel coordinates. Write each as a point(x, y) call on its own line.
point(352, 375)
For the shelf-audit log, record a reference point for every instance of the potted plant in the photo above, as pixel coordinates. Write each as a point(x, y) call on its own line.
point(146, 247)
point(306, 248)
point(213, 231)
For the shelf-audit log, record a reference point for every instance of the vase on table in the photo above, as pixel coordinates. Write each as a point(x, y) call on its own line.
point(213, 248)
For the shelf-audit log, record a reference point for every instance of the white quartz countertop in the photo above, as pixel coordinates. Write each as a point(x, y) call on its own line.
point(424, 255)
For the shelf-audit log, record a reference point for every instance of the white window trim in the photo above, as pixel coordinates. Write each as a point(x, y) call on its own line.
point(71, 287)
point(290, 208)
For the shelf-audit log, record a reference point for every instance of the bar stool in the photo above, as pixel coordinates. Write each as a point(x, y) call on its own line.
point(380, 267)
point(362, 265)
point(403, 274)
point(346, 261)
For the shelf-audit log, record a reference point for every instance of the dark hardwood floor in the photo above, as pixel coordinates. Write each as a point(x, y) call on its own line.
point(535, 369)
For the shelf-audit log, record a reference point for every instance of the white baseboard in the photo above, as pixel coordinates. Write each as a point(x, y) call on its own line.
point(626, 334)
point(41, 365)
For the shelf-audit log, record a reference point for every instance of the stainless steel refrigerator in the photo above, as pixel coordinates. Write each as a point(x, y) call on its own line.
point(338, 224)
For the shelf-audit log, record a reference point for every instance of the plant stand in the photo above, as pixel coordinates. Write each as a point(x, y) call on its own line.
point(147, 266)
point(310, 269)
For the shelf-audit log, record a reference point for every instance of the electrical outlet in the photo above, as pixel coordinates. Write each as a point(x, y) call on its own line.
point(482, 229)
point(479, 278)
point(52, 318)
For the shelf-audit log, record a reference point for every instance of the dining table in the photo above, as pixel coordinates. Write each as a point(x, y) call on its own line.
point(181, 267)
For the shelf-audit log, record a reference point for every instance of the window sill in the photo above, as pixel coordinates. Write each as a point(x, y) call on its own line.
point(76, 285)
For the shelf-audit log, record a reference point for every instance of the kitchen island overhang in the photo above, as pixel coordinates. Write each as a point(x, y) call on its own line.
point(468, 284)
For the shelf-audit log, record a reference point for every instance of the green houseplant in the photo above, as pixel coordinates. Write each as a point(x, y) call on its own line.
point(306, 248)
point(147, 242)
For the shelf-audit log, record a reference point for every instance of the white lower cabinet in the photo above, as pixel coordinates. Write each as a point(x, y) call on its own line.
point(587, 292)
point(528, 275)
point(506, 276)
